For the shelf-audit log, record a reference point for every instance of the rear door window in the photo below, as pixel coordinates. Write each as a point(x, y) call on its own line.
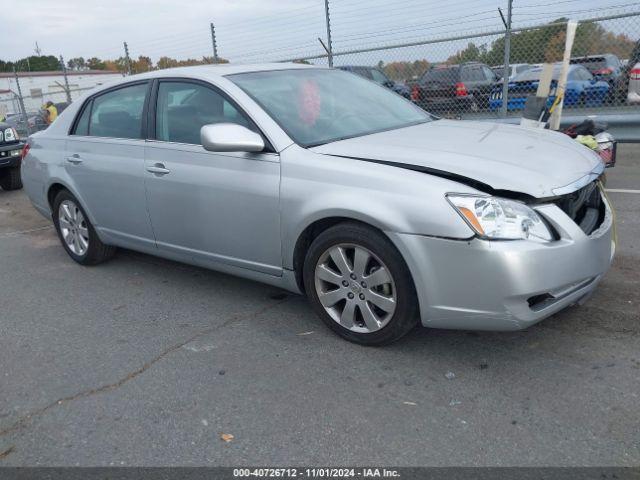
point(472, 74)
point(118, 113)
point(441, 75)
point(82, 125)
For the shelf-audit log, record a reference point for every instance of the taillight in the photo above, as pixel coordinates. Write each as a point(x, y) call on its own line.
point(461, 90)
point(604, 71)
point(415, 93)
point(25, 151)
point(634, 74)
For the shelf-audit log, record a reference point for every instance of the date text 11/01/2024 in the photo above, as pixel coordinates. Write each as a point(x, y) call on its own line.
point(316, 472)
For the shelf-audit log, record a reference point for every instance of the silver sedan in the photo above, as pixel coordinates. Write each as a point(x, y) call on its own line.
point(324, 183)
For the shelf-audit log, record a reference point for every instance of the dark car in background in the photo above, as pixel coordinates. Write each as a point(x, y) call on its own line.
point(378, 76)
point(582, 88)
point(454, 88)
point(10, 157)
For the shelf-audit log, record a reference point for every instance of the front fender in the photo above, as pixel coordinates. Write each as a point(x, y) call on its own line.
point(316, 186)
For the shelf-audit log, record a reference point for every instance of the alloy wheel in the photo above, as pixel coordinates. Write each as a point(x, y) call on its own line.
point(355, 288)
point(73, 228)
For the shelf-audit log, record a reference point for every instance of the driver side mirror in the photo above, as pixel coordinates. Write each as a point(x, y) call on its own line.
point(230, 137)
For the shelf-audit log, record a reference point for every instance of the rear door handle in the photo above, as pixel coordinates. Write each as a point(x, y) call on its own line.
point(158, 169)
point(75, 159)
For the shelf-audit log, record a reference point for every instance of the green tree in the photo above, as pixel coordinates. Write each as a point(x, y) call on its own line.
point(94, 63)
point(77, 63)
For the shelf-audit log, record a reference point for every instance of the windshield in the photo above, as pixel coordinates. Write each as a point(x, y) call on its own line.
point(316, 106)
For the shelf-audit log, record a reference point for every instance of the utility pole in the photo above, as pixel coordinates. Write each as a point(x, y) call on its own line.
point(507, 57)
point(329, 44)
point(213, 42)
point(66, 79)
point(127, 60)
point(37, 50)
point(21, 102)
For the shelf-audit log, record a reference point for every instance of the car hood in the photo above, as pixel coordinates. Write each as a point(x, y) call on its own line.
point(536, 162)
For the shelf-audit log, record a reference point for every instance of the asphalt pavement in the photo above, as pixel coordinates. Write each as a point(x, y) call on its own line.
point(143, 361)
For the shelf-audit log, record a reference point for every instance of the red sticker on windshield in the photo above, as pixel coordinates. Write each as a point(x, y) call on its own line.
point(309, 102)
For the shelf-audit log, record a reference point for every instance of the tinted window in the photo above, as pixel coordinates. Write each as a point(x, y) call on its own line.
point(82, 126)
point(118, 114)
point(316, 106)
point(183, 108)
point(363, 72)
point(522, 68)
point(472, 74)
point(441, 75)
point(378, 76)
point(488, 74)
point(591, 63)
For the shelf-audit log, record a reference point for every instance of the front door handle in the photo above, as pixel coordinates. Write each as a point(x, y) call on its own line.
point(75, 159)
point(158, 169)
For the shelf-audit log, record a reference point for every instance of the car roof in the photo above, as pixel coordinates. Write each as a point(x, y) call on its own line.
point(202, 72)
point(220, 70)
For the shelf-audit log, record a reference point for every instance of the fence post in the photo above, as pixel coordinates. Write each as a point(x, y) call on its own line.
point(127, 60)
point(66, 79)
point(507, 58)
point(213, 42)
point(21, 102)
point(329, 44)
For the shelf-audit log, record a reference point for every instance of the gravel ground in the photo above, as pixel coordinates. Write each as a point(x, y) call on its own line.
point(143, 361)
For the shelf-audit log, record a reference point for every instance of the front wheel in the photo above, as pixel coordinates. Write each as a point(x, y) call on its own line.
point(359, 285)
point(10, 179)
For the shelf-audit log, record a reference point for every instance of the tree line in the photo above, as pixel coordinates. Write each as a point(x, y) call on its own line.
point(539, 45)
point(141, 64)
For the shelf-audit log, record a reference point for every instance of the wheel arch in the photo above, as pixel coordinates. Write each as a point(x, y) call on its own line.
point(315, 228)
point(56, 186)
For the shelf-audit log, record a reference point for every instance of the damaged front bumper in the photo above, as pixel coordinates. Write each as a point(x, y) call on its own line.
point(507, 285)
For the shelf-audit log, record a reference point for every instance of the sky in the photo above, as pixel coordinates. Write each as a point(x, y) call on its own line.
point(252, 31)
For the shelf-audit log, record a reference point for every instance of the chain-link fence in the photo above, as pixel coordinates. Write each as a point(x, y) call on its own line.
point(459, 61)
point(463, 75)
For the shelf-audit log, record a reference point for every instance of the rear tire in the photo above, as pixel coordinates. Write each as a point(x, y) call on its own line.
point(375, 313)
point(10, 179)
point(77, 235)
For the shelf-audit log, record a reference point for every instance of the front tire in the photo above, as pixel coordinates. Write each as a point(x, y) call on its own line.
point(359, 285)
point(77, 235)
point(10, 179)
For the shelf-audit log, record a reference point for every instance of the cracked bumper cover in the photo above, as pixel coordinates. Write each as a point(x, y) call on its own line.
point(480, 285)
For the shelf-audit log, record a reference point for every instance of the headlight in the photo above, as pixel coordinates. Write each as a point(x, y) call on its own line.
point(10, 135)
point(500, 219)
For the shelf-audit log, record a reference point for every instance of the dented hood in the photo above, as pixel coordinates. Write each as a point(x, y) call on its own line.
point(535, 162)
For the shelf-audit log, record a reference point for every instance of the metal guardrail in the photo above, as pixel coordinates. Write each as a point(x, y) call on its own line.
point(625, 126)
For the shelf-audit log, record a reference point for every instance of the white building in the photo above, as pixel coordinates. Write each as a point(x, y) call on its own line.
point(40, 87)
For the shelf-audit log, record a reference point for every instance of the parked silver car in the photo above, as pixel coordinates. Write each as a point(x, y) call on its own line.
point(319, 181)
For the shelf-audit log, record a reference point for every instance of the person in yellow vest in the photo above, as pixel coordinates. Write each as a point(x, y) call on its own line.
point(50, 112)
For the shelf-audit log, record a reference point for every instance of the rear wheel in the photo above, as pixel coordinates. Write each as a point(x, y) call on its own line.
point(76, 233)
point(10, 178)
point(359, 285)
